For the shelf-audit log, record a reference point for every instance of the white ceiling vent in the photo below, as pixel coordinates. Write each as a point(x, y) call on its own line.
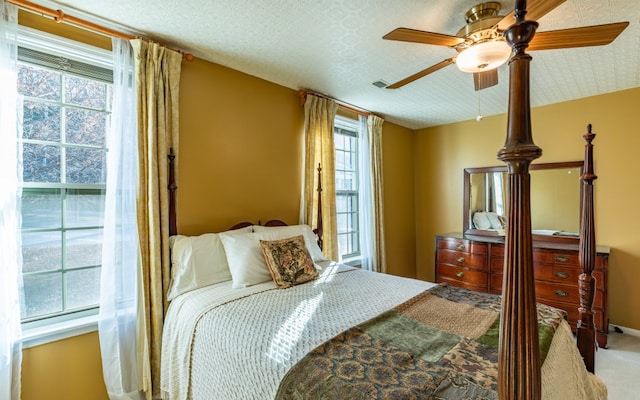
point(381, 84)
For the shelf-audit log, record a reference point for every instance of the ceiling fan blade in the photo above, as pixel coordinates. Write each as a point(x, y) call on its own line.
point(416, 36)
point(536, 9)
point(422, 73)
point(596, 35)
point(485, 79)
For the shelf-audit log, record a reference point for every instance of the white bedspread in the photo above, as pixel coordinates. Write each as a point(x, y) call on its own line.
point(218, 347)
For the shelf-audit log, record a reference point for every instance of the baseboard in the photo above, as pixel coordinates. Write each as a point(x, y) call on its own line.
point(628, 331)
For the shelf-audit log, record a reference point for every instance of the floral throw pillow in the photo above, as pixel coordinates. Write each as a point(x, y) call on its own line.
point(289, 261)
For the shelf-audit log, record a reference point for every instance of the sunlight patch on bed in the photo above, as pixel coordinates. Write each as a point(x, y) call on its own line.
point(291, 331)
point(327, 273)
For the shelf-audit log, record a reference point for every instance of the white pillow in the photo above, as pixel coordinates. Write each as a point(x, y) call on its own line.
point(310, 239)
point(244, 255)
point(197, 261)
point(494, 220)
point(481, 221)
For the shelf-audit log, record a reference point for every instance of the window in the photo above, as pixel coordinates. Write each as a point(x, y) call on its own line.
point(66, 112)
point(345, 135)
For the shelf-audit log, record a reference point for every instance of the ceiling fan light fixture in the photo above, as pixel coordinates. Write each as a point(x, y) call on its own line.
point(483, 56)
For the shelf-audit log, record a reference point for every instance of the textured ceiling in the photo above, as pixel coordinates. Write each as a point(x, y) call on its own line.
point(335, 47)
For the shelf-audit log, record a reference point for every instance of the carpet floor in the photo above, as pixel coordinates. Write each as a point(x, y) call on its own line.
point(619, 365)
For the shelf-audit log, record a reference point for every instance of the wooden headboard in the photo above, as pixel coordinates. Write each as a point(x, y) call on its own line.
point(271, 222)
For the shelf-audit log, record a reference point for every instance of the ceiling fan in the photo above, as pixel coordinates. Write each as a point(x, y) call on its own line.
point(482, 49)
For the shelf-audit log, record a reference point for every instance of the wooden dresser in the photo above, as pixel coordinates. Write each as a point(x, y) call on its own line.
point(477, 262)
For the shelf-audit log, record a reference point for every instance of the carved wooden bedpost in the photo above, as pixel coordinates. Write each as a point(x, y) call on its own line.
point(586, 331)
point(173, 226)
point(318, 229)
point(519, 354)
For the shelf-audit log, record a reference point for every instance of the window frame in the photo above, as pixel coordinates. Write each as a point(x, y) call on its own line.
point(83, 320)
point(349, 128)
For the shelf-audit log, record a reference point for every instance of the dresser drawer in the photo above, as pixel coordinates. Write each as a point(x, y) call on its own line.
point(601, 261)
point(561, 258)
point(564, 274)
point(462, 245)
point(497, 264)
point(547, 292)
point(495, 283)
point(602, 324)
point(472, 277)
point(555, 257)
point(599, 275)
point(565, 293)
point(543, 256)
point(543, 272)
point(598, 300)
point(461, 258)
point(461, 284)
point(553, 273)
point(557, 292)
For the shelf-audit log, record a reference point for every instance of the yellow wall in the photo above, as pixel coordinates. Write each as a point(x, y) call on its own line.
point(399, 218)
point(68, 369)
point(441, 154)
point(240, 149)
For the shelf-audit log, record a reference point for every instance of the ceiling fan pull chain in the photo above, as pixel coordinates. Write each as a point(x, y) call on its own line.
point(479, 117)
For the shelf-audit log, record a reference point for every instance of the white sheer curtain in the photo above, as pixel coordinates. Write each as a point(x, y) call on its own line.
point(119, 282)
point(10, 255)
point(372, 241)
point(366, 202)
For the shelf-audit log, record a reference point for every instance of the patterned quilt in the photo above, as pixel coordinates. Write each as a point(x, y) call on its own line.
point(441, 344)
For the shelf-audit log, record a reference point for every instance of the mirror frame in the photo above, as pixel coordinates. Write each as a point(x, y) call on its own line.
point(466, 200)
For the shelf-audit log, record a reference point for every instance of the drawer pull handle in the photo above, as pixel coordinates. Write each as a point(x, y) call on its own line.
point(562, 293)
point(562, 259)
point(460, 247)
point(459, 274)
point(562, 275)
point(460, 259)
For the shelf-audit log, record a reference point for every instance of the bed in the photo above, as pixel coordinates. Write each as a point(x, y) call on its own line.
point(222, 342)
point(240, 329)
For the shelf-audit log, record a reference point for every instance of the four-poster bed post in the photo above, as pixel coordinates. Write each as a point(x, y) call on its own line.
point(518, 353)
point(318, 229)
point(586, 331)
point(173, 229)
point(519, 375)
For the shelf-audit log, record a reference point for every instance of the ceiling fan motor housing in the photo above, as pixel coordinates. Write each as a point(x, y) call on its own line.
point(482, 11)
point(481, 24)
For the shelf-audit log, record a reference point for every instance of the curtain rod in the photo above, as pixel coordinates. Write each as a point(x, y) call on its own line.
point(303, 97)
point(59, 16)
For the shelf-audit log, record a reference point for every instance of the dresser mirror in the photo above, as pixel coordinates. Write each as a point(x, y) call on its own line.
point(555, 200)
